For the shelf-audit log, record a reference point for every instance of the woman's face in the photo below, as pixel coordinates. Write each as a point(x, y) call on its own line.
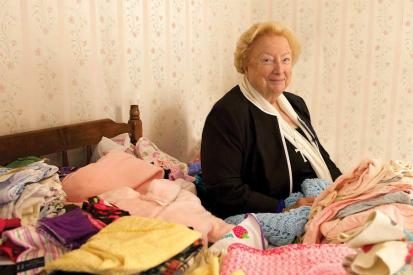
point(269, 65)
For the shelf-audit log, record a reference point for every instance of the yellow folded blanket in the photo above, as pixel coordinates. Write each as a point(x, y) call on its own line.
point(129, 245)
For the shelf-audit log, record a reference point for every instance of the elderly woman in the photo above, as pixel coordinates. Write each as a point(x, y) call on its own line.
point(258, 143)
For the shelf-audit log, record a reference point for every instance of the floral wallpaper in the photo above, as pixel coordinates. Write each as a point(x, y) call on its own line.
point(75, 60)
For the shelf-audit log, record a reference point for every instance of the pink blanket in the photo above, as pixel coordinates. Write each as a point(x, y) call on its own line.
point(289, 259)
point(115, 169)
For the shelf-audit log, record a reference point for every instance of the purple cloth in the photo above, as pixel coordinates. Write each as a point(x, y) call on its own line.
point(194, 168)
point(66, 170)
point(71, 229)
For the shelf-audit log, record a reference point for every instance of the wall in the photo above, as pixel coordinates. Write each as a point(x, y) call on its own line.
point(70, 61)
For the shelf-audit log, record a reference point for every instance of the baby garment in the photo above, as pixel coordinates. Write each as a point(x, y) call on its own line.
point(102, 210)
point(396, 197)
point(69, 230)
point(378, 228)
point(112, 171)
point(149, 152)
point(398, 212)
point(194, 168)
point(33, 247)
point(120, 142)
point(179, 263)
point(283, 228)
point(165, 199)
point(12, 181)
point(279, 228)
point(247, 232)
point(370, 179)
point(128, 245)
point(407, 268)
point(42, 199)
point(22, 162)
point(289, 259)
point(380, 259)
point(9, 224)
point(382, 246)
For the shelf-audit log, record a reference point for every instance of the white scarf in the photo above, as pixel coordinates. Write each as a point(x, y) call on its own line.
point(309, 149)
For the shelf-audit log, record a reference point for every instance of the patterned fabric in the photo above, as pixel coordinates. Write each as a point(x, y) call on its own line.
point(40, 200)
point(13, 180)
point(178, 263)
point(37, 200)
point(290, 259)
point(408, 266)
point(248, 232)
point(33, 245)
point(102, 210)
point(149, 152)
point(384, 247)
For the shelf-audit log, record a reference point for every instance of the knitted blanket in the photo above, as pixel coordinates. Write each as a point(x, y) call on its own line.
point(282, 228)
point(291, 259)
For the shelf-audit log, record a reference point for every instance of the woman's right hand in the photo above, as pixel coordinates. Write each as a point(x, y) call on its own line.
point(301, 202)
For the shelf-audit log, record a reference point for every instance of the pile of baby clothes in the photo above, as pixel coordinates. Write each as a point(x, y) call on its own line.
point(345, 205)
point(30, 189)
point(383, 247)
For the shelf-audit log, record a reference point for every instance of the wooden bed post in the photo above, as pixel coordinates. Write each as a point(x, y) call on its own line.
point(135, 123)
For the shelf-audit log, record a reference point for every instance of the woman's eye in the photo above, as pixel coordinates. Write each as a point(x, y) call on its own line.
point(266, 61)
point(286, 60)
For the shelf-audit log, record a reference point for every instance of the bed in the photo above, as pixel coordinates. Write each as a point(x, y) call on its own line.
point(86, 135)
point(61, 139)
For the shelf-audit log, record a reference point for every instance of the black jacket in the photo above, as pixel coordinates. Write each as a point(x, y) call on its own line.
point(244, 164)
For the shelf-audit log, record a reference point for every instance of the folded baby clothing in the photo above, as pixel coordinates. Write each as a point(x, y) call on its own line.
point(378, 228)
point(247, 232)
point(69, 230)
point(383, 247)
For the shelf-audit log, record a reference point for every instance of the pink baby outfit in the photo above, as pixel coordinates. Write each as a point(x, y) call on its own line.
point(166, 200)
point(113, 170)
point(289, 259)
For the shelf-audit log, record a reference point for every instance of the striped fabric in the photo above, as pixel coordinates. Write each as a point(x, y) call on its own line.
point(35, 245)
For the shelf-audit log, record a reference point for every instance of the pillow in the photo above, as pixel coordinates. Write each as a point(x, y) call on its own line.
point(120, 142)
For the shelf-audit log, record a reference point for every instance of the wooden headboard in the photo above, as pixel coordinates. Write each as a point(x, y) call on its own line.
point(62, 138)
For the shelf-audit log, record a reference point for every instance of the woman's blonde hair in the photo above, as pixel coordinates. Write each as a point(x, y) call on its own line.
point(257, 30)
